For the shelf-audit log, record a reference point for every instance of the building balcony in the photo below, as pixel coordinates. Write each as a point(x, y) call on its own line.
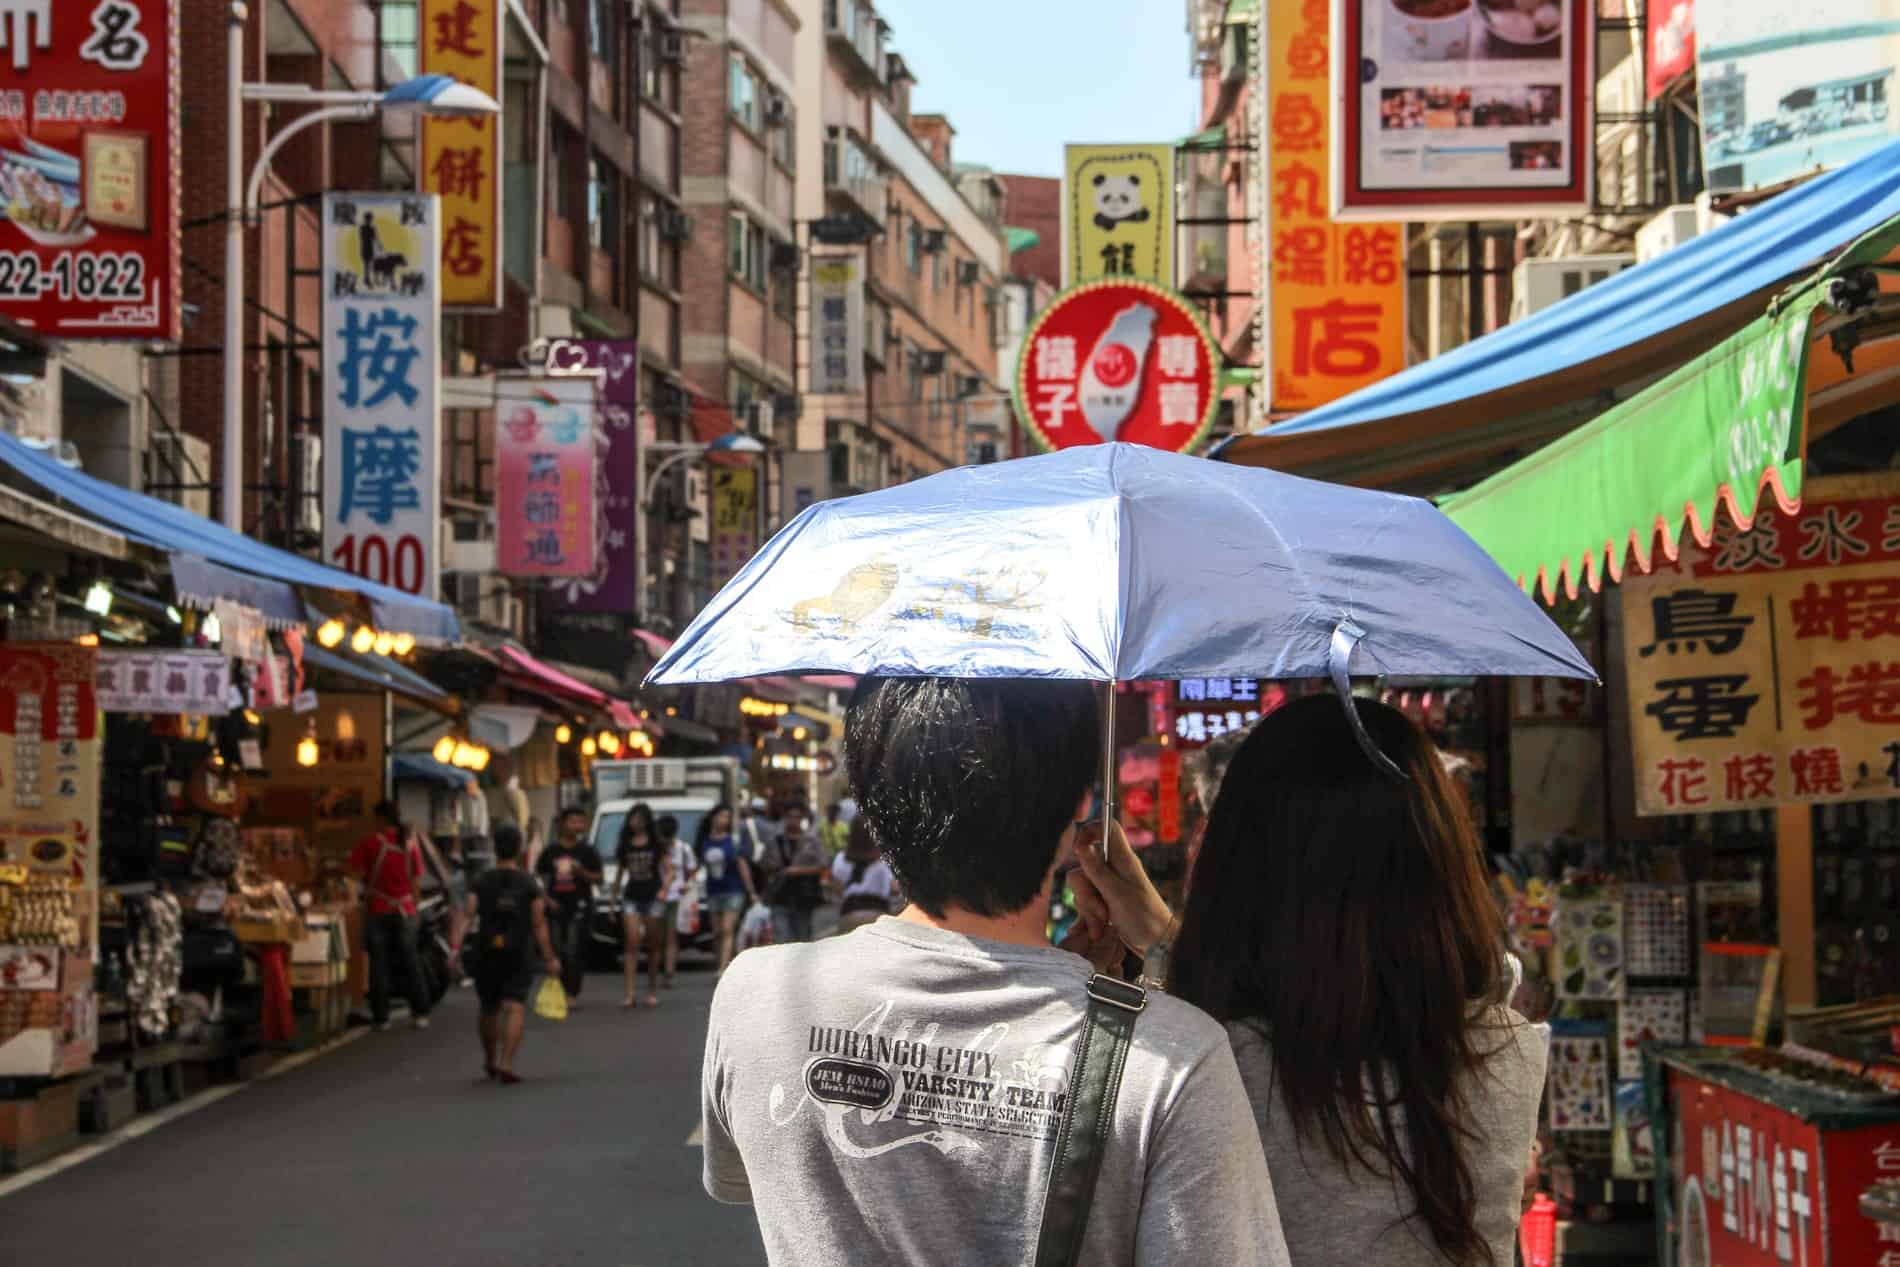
point(854, 29)
point(855, 179)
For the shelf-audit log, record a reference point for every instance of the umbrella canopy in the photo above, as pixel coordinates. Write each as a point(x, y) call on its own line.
point(1117, 562)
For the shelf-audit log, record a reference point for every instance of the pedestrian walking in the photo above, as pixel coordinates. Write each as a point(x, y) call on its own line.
point(834, 832)
point(942, 1051)
point(728, 879)
point(389, 861)
point(682, 893)
point(1395, 1095)
point(569, 869)
point(510, 915)
point(798, 882)
point(645, 865)
point(866, 888)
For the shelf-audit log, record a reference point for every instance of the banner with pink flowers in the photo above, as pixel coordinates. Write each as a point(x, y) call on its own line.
point(547, 455)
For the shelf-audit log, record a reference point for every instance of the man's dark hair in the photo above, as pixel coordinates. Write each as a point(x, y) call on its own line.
point(666, 827)
point(967, 784)
point(569, 812)
point(387, 814)
point(507, 842)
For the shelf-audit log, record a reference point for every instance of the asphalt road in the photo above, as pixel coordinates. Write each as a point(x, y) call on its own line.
point(394, 1150)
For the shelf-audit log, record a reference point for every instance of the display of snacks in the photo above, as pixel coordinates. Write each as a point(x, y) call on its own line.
point(39, 911)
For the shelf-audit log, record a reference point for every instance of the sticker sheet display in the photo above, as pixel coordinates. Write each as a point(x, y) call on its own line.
point(1633, 1143)
point(1659, 1016)
point(1589, 948)
point(1579, 1081)
point(1656, 930)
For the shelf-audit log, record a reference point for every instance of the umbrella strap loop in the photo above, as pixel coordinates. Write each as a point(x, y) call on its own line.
point(1346, 639)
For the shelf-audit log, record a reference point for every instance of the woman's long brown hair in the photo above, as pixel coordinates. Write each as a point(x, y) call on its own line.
point(1349, 912)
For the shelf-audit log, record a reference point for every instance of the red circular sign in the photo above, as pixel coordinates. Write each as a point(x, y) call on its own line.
point(1118, 360)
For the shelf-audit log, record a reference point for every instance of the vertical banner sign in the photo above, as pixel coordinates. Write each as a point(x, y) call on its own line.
point(735, 519)
point(1118, 213)
point(89, 100)
point(1463, 109)
point(1766, 670)
point(1336, 292)
point(1670, 31)
point(547, 465)
point(49, 764)
point(837, 328)
point(1787, 89)
point(609, 587)
point(382, 448)
point(461, 157)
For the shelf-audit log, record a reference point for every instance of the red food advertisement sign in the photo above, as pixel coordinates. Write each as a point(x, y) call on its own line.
point(1671, 35)
point(89, 96)
point(1117, 360)
point(1756, 1186)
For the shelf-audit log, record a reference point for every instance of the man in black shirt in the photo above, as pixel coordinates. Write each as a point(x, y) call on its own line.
point(511, 913)
point(569, 870)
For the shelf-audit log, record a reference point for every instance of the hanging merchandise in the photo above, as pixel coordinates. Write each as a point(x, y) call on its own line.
point(1652, 1016)
point(156, 963)
point(1633, 1139)
point(1579, 1077)
point(219, 849)
point(1656, 930)
point(1589, 948)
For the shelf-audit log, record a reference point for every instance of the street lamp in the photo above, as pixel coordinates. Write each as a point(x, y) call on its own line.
point(646, 482)
point(425, 94)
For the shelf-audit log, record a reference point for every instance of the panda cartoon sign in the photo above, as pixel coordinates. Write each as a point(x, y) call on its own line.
point(1118, 213)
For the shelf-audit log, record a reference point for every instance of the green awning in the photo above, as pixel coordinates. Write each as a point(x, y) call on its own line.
point(1722, 428)
point(1240, 11)
point(1211, 139)
point(1018, 239)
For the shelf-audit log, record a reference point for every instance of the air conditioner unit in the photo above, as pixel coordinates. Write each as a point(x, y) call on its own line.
point(1537, 284)
point(785, 405)
point(759, 417)
point(934, 241)
point(306, 463)
point(778, 109)
point(928, 360)
point(785, 257)
point(968, 272)
point(675, 225)
point(179, 459)
point(1707, 218)
point(968, 385)
point(1667, 231)
point(670, 48)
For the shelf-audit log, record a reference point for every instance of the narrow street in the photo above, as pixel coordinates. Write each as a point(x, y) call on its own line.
point(392, 1149)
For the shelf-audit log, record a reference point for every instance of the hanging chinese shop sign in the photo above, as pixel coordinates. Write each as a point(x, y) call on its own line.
point(547, 474)
point(461, 157)
point(1460, 109)
point(1118, 213)
point(837, 328)
point(1766, 670)
point(1117, 360)
point(735, 520)
point(1336, 293)
point(89, 102)
point(382, 317)
point(609, 588)
point(197, 683)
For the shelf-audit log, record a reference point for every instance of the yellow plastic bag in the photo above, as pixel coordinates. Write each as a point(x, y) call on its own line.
point(550, 1000)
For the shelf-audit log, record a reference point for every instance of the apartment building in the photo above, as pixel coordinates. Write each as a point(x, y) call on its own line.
point(930, 245)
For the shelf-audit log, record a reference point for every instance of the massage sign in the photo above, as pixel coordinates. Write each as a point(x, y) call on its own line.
point(1765, 668)
point(1118, 360)
point(89, 95)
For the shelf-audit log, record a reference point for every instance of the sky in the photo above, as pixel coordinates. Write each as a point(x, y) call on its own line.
point(1021, 78)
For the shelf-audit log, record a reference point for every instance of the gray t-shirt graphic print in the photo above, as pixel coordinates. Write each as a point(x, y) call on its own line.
point(893, 1096)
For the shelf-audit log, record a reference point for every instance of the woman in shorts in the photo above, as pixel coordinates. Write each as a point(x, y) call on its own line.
point(646, 875)
point(729, 888)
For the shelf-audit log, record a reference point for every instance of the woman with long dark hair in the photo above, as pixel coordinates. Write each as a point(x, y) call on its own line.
point(646, 873)
point(729, 886)
point(1338, 923)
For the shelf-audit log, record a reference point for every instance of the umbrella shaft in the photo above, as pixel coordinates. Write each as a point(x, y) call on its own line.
point(1108, 764)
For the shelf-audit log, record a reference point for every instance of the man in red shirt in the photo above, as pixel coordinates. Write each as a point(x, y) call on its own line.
point(390, 864)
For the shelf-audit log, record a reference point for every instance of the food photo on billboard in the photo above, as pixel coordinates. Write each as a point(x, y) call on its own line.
point(1455, 109)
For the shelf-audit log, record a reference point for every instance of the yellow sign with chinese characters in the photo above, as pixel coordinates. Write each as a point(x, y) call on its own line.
point(461, 157)
point(1765, 670)
point(1337, 292)
point(1118, 213)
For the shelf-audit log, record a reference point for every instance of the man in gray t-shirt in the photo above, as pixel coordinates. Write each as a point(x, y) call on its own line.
point(894, 1095)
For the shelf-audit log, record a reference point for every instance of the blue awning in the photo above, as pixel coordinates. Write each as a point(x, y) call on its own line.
point(420, 767)
point(1554, 370)
point(167, 527)
point(200, 583)
point(384, 675)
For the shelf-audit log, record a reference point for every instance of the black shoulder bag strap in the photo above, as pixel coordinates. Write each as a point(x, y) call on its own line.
point(1094, 1086)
